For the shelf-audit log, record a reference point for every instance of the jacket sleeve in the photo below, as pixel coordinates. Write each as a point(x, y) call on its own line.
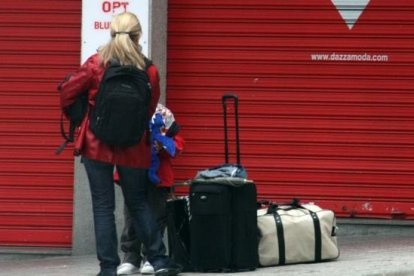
point(79, 82)
point(179, 144)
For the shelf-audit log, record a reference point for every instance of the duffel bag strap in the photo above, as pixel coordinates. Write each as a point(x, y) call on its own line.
point(273, 207)
point(318, 236)
point(280, 238)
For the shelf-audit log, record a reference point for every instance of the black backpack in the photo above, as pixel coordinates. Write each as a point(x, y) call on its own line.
point(120, 116)
point(75, 113)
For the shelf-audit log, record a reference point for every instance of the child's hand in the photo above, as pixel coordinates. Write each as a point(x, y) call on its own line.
point(157, 146)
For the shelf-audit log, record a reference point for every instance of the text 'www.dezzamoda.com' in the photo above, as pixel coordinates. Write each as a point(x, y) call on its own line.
point(349, 57)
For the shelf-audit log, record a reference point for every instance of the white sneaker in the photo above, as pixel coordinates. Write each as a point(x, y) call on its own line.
point(127, 269)
point(147, 268)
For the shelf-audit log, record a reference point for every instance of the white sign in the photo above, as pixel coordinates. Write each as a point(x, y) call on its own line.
point(350, 10)
point(96, 21)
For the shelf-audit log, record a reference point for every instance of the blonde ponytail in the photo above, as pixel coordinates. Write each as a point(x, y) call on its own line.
point(124, 46)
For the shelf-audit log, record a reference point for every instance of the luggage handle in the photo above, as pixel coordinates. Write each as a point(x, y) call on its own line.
point(224, 100)
point(273, 207)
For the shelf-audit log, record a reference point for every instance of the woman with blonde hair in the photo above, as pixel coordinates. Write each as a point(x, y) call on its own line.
point(131, 162)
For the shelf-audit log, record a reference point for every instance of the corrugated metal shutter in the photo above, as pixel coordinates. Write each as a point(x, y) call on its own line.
point(39, 44)
point(336, 132)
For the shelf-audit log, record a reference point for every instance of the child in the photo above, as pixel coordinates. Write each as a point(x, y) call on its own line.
point(167, 143)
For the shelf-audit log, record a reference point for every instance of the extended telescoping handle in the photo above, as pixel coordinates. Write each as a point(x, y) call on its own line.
point(224, 100)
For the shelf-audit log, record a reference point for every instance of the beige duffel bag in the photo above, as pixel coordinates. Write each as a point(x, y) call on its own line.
point(296, 233)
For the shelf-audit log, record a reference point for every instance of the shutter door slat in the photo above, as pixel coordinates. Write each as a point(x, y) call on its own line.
point(40, 44)
point(335, 132)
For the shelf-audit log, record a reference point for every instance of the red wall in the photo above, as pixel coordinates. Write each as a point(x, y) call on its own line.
point(39, 44)
point(338, 133)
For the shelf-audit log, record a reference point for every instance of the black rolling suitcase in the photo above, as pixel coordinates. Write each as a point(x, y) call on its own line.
point(223, 225)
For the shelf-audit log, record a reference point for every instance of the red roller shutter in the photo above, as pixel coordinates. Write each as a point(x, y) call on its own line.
point(319, 121)
point(39, 44)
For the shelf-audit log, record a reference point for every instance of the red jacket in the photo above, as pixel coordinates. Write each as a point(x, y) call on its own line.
point(88, 78)
point(165, 171)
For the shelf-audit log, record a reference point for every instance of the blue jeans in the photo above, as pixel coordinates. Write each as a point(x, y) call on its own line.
point(134, 187)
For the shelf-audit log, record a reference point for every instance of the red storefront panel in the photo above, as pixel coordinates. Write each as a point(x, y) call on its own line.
point(326, 111)
point(40, 43)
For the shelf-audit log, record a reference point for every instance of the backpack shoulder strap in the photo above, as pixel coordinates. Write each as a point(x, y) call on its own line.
point(69, 138)
point(114, 62)
point(148, 63)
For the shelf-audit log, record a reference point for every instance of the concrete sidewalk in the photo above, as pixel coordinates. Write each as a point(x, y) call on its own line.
point(360, 255)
